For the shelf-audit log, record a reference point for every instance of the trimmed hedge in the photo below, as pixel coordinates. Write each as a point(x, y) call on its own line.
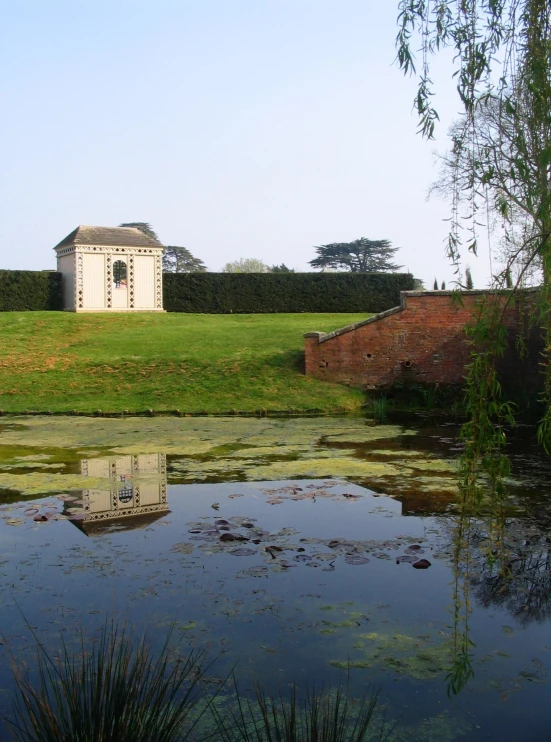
point(30, 291)
point(224, 293)
point(258, 293)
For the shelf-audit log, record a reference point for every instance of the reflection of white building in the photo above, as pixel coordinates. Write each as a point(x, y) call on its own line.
point(136, 490)
point(110, 269)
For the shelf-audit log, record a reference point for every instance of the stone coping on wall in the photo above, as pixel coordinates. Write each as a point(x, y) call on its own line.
point(324, 336)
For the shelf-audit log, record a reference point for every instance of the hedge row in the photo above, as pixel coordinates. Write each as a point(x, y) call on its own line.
point(224, 293)
point(22, 291)
point(257, 293)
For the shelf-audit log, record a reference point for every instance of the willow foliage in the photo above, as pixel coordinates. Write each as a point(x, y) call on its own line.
point(501, 154)
point(500, 161)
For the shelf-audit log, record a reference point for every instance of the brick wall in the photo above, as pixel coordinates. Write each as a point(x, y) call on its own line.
point(420, 342)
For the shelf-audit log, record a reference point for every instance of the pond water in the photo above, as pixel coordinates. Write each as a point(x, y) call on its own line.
point(296, 551)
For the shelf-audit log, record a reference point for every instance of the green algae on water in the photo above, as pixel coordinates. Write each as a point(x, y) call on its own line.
point(221, 449)
point(188, 435)
point(416, 657)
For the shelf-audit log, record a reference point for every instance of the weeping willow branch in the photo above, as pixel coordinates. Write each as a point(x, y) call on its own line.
point(501, 156)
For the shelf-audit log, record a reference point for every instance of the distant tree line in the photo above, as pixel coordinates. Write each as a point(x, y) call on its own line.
point(467, 284)
point(253, 265)
point(359, 256)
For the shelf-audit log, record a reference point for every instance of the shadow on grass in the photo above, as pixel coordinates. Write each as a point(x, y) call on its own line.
point(292, 360)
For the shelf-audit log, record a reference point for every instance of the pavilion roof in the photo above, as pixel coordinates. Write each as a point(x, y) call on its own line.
point(116, 236)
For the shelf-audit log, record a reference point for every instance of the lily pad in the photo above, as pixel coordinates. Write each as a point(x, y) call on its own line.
point(253, 572)
point(356, 559)
point(243, 552)
point(182, 548)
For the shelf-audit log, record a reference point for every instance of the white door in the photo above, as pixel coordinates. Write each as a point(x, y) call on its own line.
point(144, 282)
point(93, 279)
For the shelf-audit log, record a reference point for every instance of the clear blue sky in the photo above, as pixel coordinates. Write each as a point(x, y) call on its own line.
point(238, 128)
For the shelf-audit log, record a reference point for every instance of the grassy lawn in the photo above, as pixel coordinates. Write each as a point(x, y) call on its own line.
point(191, 362)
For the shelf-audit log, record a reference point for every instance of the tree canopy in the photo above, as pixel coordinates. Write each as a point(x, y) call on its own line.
point(281, 269)
point(178, 259)
point(144, 227)
point(246, 265)
point(502, 148)
point(502, 145)
point(359, 256)
point(480, 177)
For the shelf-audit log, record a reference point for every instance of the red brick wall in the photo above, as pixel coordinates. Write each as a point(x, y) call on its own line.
point(421, 342)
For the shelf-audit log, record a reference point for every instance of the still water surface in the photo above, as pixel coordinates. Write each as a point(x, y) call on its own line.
point(291, 550)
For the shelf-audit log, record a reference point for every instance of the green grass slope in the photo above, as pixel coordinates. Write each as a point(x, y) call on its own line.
point(191, 362)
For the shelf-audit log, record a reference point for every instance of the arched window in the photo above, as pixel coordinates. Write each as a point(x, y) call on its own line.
point(126, 494)
point(119, 274)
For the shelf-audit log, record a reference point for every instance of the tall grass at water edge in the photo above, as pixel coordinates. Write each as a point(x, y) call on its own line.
point(330, 716)
point(119, 690)
point(380, 409)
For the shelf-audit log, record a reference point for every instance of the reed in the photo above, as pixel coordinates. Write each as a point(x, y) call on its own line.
point(119, 690)
point(328, 716)
point(380, 409)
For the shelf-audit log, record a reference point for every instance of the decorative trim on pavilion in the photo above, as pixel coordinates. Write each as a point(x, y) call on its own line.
point(111, 269)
